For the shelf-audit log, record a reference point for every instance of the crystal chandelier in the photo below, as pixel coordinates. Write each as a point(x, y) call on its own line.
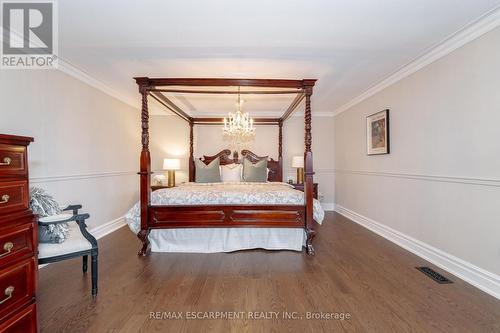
point(238, 126)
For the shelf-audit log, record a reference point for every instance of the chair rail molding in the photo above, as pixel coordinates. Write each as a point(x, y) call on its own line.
point(47, 179)
point(434, 178)
point(316, 171)
point(478, 277)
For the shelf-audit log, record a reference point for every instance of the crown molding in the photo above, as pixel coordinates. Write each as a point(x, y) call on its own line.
point(66, 67)
point(470, 32)
point(80, 75)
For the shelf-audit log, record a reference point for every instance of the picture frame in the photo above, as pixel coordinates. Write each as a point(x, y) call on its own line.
point(377, 133)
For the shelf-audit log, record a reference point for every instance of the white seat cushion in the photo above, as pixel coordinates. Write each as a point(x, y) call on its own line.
point(54, 218)
point(74, 243)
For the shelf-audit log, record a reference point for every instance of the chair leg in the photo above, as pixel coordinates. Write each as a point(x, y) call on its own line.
point(94, 275)
point(85, 260)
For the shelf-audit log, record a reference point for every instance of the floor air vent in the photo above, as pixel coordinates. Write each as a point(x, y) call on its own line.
point(433, 275)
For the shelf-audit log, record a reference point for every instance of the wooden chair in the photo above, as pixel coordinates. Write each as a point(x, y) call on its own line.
point(79, 242)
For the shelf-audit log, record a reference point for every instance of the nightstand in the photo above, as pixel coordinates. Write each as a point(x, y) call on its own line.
point(158, 187)
point(300, 187)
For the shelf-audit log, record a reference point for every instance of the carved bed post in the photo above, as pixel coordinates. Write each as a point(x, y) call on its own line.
point(309, 171)
point(191, 152)
point(280, 151)
point(145, 168)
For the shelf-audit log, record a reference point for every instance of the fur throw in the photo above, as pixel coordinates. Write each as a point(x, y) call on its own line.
point(43, 204)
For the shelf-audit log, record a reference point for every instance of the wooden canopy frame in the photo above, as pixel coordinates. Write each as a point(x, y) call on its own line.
point(151, 215)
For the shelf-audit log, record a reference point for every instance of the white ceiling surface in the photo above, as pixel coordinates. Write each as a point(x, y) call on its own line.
point(347, 45)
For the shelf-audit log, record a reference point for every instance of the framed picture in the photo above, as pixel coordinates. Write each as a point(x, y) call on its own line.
point(377, 133)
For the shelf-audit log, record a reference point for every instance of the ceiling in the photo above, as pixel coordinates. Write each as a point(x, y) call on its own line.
point(347, 45)
point(265, 101)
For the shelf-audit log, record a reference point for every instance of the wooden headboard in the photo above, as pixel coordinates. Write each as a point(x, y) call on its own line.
point(275, 167)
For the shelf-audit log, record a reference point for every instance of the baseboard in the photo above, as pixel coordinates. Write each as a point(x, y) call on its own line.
point(107, 228)
point(328, 206)
point(478, 277)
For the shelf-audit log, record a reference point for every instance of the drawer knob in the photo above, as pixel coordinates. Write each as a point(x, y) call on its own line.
point(9, 291)
point(6, 161)
point(5, 199)
point(7, 247)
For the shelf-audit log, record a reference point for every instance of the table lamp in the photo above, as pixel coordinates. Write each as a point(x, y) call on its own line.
point(171, 164)
point(298, 162)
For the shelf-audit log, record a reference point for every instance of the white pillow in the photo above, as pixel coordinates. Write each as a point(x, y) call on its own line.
point(231, 172)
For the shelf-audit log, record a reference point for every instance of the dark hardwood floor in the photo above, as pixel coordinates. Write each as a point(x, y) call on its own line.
point(354, 271)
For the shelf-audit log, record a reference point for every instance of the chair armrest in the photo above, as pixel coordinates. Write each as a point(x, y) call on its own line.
point(78, 218)
point(74, 208)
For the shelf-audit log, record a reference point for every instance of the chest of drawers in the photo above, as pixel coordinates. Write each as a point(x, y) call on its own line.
point(18, 239)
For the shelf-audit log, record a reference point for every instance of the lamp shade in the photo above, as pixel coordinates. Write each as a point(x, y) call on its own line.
point(171, 164)
point(298, 162)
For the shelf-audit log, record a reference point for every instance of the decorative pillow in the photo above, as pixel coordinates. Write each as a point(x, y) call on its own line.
point(231, 172)
point(207, 173)
point(44, 205)
point(254, 172)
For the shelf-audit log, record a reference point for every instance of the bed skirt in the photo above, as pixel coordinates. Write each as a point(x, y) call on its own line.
point(212, 240)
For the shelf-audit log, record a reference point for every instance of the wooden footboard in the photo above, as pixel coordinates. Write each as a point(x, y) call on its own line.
point(219, 216)
point(226, 216)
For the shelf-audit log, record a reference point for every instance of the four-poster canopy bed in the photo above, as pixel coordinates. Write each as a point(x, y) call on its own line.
point(226, 216)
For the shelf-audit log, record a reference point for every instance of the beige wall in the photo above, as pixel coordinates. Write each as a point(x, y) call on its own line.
point(170, 138)
point(86, 142)
point(441, 183)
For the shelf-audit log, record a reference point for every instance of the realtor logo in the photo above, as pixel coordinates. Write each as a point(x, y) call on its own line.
point(29, 35)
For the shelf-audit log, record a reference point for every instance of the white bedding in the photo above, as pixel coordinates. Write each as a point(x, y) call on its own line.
point(209, 240)
point(214, 240)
